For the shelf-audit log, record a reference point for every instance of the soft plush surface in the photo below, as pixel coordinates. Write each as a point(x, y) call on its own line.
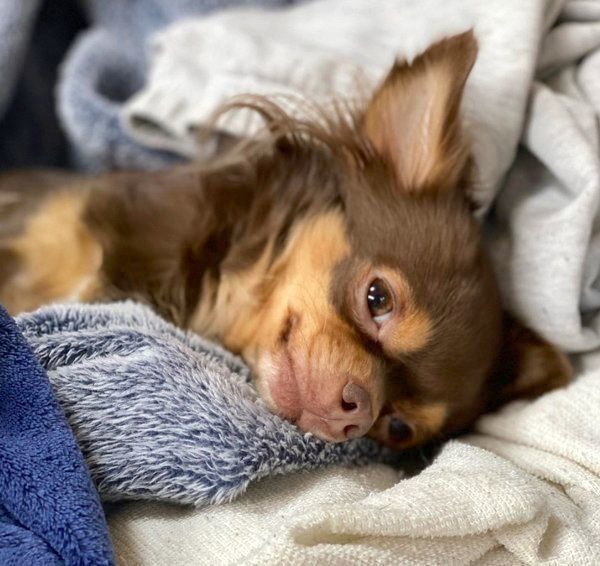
point(161, 414)
point(525, 489)
point(49, 510)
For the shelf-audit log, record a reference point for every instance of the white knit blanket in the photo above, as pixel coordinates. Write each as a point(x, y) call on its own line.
point(525, 487)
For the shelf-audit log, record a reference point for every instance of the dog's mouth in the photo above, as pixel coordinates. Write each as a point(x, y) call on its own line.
point(281, 385)
point(283, 388)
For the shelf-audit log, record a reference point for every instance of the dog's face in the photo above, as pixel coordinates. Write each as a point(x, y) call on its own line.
point(380, 314)
point(376, 330)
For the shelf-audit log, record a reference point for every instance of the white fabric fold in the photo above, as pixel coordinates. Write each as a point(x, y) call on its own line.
point(325, 49)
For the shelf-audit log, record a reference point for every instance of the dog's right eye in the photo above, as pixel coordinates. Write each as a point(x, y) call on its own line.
point(379, 301)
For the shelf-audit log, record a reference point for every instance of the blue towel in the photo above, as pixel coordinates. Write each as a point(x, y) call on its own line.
point(162, 414)
point(49, 510)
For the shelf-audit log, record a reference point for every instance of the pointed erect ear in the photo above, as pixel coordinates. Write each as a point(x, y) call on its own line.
point(413, 119)
point(529, 366)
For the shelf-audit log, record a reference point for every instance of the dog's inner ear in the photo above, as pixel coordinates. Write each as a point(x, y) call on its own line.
point(528, 366)
point(413, 119)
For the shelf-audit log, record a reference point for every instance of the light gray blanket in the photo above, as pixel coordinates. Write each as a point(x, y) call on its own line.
point(102, 68)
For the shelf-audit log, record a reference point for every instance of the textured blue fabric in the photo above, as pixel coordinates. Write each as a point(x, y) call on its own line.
point(163, 414)
point(49, 509)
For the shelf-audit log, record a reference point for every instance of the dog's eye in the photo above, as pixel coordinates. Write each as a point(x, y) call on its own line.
point(379, 301)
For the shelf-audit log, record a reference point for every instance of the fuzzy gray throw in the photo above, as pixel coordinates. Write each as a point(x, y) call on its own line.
point(162, 414)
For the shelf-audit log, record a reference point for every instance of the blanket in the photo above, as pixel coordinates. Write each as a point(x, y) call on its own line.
point(162, 414)
point(525, 487)
point(99, 70)
point(298, 56)
point(49, 510)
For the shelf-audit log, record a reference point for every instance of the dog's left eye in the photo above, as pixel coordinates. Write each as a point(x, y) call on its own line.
point(379, 301)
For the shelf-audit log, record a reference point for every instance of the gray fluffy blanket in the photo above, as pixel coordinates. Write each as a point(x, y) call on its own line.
point(162, 414)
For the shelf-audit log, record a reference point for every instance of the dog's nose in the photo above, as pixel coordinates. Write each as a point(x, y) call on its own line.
point(355, 418)
point(355, 398)
point(348, 415)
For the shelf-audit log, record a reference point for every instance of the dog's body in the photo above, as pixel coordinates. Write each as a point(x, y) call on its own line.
point(340, 259)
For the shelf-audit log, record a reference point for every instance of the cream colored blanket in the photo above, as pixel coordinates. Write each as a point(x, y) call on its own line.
point(525, 487)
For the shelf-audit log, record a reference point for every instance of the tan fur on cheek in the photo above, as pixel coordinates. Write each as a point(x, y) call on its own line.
point(326, 350)
point(246, 309)
point(228, 309)
point(410, 335)
point(58, 258)
point(429, 418)
point(249, 311)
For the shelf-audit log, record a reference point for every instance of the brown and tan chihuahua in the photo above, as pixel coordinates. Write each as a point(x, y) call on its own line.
point(339, 257)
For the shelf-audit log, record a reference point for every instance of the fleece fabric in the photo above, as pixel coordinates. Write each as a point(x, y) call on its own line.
point(50, 512)
point(49, 75)
point(162, 414)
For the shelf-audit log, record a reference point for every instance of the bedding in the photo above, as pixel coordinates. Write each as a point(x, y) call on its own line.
point(84, 80)
point(162, 414)
point(509, 494)
point(50, 512)
point(524, 487)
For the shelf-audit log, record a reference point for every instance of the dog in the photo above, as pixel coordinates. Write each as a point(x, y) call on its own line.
point(339, 257)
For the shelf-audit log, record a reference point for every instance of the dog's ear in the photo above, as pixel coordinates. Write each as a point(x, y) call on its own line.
point(413, 119)
point(528, 365)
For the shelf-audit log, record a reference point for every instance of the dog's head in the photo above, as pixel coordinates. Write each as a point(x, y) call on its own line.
point(376, 311)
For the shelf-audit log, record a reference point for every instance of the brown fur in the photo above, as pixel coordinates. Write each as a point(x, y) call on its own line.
point(20, 195)
point(426, 421)
point(56, 255)
point(271, 248)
